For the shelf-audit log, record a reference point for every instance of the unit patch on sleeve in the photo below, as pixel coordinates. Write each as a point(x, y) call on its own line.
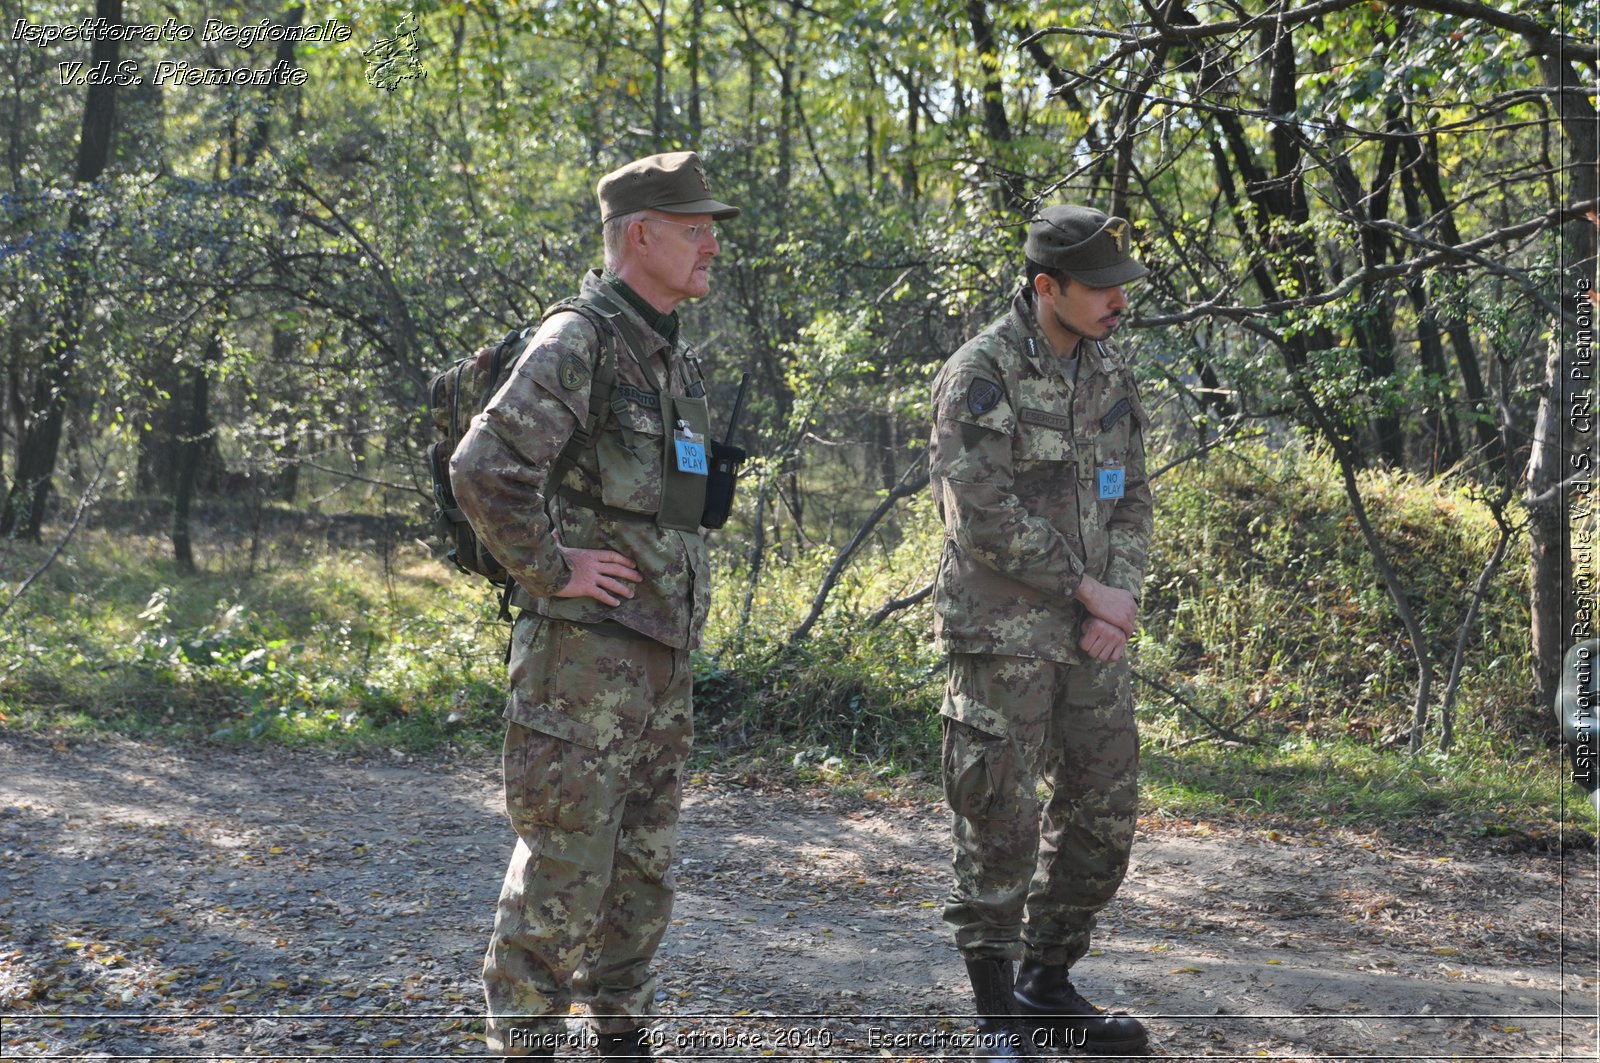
point(574, 374)
point(982, 396)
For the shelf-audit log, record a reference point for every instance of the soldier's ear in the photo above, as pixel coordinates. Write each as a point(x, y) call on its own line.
point(638, 234)
point(1046, 285)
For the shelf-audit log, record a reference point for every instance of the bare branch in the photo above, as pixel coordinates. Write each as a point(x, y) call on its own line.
point(1540, 38)
point(906, 486)
point(894, 605)
point(1439, 254)
point(89, 495)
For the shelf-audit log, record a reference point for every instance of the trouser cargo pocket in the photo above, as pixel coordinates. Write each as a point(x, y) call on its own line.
point(553, 772)
point(980, 772)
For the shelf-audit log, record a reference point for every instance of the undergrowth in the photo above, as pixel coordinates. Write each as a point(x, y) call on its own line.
point(1263, 616)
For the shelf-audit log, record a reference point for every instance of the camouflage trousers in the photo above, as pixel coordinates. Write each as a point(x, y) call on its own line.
point(1026, 870)
point(598, 729)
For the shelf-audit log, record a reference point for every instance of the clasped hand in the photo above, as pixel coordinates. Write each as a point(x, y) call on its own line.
point(1111, 620)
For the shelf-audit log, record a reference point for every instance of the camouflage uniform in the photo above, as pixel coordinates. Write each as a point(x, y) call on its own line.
point(599, 717)
point(1019, 454)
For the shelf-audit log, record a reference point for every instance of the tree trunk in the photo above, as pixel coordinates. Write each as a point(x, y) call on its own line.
point(1554, 437)
point(10, 401)
point(285, 441)
point(23, 515)
point(1445, 436)
point(1425, 167)
point(285, 340)
point(995, 123)
point(658, 121)
point(697, 10)
point(786, 117)
point(909, 181)
point(193, 447)
point(1547, 533)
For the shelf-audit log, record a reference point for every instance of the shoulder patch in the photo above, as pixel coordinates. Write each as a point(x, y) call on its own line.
point(574, 373)
point(982, 396)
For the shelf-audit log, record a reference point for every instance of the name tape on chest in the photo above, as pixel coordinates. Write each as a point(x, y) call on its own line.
point(639, 397)
point(1059, 421)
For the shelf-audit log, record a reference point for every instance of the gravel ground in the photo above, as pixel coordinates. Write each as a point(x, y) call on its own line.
point(209, 903)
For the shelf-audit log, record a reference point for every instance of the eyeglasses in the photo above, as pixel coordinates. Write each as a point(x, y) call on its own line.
point(696, 231)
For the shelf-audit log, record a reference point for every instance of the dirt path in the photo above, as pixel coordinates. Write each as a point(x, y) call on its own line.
point(212, 903)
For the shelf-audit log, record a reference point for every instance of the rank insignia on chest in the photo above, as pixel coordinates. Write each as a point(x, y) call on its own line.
point(982, 396)
point(574, 374)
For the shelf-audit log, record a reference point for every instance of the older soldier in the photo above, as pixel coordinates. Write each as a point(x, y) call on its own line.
point(1038, 474)
point(602, 534)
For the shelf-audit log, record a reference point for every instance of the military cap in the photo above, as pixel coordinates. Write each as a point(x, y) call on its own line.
point(1084, 244)
point(674, 182)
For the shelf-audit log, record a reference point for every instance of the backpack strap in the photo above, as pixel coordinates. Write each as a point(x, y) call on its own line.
point(602, 383)
point(602, 386)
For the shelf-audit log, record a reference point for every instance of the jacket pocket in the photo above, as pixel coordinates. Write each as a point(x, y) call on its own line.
point(629, 453)
point(1044, 438)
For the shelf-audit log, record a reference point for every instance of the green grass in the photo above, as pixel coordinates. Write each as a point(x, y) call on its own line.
point(315, 646)
point(1261, 609)
point(1476, 789)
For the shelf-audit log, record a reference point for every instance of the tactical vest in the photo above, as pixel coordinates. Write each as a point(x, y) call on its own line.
point(651, 448)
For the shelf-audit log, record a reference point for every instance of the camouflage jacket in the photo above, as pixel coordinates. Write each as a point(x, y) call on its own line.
point(618, 482)
point(1024, 466)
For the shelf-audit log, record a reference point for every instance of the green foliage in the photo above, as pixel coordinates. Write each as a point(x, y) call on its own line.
point(868, 696)
point(1261, 609)
point(343, 240)
point(1310, 782)
point(320, 646)
point(1263, 598)
point(866, 692)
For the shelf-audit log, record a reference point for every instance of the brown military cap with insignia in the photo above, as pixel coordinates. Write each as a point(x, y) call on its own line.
point(1084, 244)
point(673, 182)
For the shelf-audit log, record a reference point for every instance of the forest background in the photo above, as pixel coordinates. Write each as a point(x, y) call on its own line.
point(1369, 259)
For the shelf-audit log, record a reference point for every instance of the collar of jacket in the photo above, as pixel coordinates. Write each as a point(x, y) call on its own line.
point(662, 326)
point(1045, 361)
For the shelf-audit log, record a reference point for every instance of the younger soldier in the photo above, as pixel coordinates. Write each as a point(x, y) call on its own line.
point(604, 542)
point(1037, 462)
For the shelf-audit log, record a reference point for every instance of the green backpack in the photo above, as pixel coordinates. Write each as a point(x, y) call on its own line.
point(457, 395)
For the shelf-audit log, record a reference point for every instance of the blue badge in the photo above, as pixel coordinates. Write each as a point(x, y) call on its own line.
point(690, 450)
point(1110, 483)
point(692, 458)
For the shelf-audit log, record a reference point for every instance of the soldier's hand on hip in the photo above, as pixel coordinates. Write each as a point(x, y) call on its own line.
point(1112, 604)
point(604, 575)
point(1103, 641)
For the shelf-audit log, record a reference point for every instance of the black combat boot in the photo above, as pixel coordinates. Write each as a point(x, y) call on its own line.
point(1044, 993)
point(1000, 1035)
point(630, 1047)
